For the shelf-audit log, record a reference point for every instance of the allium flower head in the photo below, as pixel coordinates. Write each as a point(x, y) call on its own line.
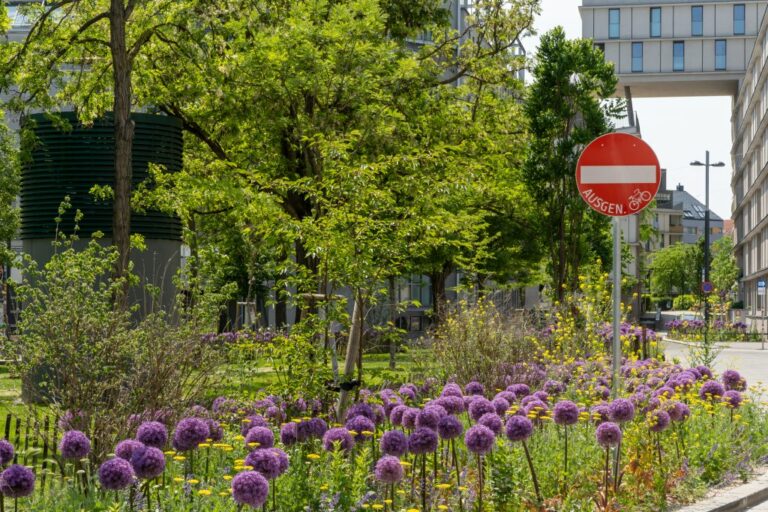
point(338, 438)
point(282, 458)
point(216, 432)
point(501, 405)
point(396, 415)
point(360, 409)
point(289, 434)
point(711, 390)
point(733, 398)
point(388, 470)
point(542, 395)
point(6, 452)
point(148, 462)
point(733, 380)
point(126, 447)
point(189, 433)
point(449, 427)
point(428, 417)
point(658, 420)
point(492, 421)
point(422, 440)
point(407, 392)
point(394, 442)
point(114, 474)
point(678, 411)
point(409, 417)
point(319, 427)
point(452, 389)
point(262, 435)
point(152, 433)
point(704, 371)
point(536, 408)
point(250, 488)
point(519, 428)
point(566, 413)
point(554, 387)
point(621, 410)
point(474, 388)
point(480, 406)
point(361, 424)
point(608, 434)
point(452, 404)
point(265, 462)
point(74, 445)
point(479, 439)
point(509, 396)
point(252, 421)
point(600, 413)
point(520, 390)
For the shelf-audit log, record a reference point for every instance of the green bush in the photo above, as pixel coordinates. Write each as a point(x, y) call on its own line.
point(684, 302)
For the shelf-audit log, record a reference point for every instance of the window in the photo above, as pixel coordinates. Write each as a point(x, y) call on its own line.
point(738, 19)
point(637, 57)
point(614, 21)
point(720, 54)
point(678, 56)
point(697, 20)
point(655, 21)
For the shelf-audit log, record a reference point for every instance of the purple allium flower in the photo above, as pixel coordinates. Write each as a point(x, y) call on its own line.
point(216, 431)
point(126, 447)
point(452, 389)
point(379, 413)
point(148, 462)
point(262, 435)
point(509, 396)
point(608, 434)
point(282, 458)
point(396, 415)
point(621, 410)
point(17, 481)
point(274, 413)
point(667, 391)
point(658, 420)
point(733, 398)
point(265, 462)
point(519, 428)
point(189, 433)
point(72, 420)
point(492, 421)
point(733, 380)
point(704, 371)
point(303, 430)
point(566, 413)
point(479, 439)
point(600, 413)
point(520, 390)
point(536, 408)
point(394, 442)
point(480, 406)
point(474, 388)
point(501, 405)
point(449, 427)
point(407, 392)
point(360, 409)
point(388, 470)
point(318, 427)
point(361, 424)
point(452, 404)
point(653, 403)
point(678, 411)
point(289, 434)
point(428, 417)
point(711, 390)
point(542, 395)
point(6, 452)
point(423, 440)
point(409, 417)
point(114, 474)
point(338, 438)
point(74, 445)
point(152, 433)
point(554, 387)
point(250, 488)
point(252, 421)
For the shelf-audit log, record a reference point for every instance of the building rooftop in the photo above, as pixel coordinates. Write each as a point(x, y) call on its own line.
point(692, 208)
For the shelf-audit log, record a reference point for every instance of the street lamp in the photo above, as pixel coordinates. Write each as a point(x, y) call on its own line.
point(706, 165)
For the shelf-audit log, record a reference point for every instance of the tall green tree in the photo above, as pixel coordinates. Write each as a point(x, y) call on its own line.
point(567, 106)
point(725, 271)
point(676, 269)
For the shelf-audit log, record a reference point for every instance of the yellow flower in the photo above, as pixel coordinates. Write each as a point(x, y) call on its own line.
point(412, 510)
point(405, 463)
point(238, 437)
point(377, 506)
point(324, 487)
point(179, 458)
point(224, 493)
point(193, 481)
point(204, 445)
point(254, 444)
point(367, 433)
point(463, 488)
point(442, 507)
point(227, 477)
point(443, 486)
point(388, 502)
point(313, 456)
point(178, 479)
point(247, 420)
point(170, 452)
point(204, 492)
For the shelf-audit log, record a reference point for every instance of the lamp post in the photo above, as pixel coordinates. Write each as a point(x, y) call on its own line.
point(706, 166)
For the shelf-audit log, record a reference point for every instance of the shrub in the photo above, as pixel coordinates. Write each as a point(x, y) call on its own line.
point(684, 302)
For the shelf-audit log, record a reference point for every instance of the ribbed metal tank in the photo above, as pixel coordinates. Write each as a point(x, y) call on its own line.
point(70, 162)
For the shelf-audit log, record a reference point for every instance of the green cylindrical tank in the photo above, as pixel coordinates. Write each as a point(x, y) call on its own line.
point(68, 162)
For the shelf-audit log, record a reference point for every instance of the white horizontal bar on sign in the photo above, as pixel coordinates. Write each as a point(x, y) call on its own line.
point(618, 174)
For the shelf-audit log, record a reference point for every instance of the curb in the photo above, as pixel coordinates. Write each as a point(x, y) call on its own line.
point(718, 344)
point(736, 499)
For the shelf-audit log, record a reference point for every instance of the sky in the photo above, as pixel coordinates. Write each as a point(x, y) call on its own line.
point(679, 130)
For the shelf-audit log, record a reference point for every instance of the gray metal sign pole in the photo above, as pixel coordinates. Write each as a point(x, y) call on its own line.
point(616, 306)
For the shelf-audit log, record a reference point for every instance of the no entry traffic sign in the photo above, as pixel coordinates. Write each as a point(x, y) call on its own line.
point(618, 174)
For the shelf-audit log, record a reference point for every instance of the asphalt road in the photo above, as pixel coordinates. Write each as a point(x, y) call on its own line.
point(748, 359)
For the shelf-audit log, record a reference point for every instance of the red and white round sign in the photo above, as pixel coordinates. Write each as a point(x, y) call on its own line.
point(618, 174)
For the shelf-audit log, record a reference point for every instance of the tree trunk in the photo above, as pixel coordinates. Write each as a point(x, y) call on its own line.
point(439, 297)
point(392, 320)
point(353, 351)
point(121, 213)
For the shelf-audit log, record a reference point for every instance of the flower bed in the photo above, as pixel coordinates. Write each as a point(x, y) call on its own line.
point(563, 446)
point(693, 330)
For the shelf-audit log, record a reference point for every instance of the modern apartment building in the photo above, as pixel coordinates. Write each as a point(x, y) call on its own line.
point(669, 48)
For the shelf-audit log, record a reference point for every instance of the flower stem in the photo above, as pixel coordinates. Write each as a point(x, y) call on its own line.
point(533, 474)
point(458, 473)
point(424, 482)
point(607, 465)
